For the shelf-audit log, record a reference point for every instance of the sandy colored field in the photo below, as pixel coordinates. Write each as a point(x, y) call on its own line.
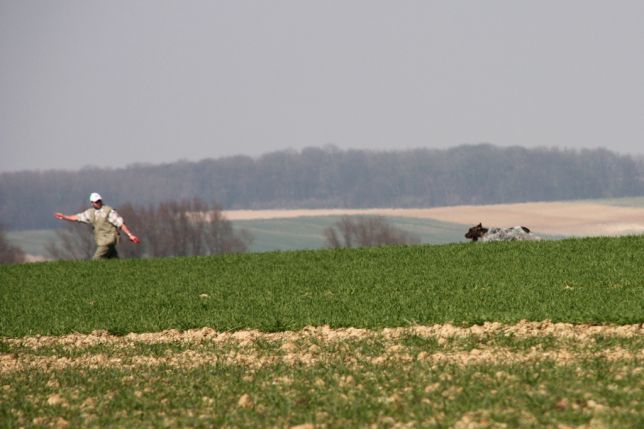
point(313, 345)
point(551, 218)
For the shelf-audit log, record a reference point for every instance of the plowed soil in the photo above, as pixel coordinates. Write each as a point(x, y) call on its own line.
point(312, 345)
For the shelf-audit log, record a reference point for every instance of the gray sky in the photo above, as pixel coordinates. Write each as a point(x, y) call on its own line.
point(111, 83)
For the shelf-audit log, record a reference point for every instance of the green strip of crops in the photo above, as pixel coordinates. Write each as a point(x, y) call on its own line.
point(593, 280)
point(380, 396)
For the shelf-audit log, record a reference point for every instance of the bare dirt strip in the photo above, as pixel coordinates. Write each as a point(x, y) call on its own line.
point(313, 345)
point(550, 218)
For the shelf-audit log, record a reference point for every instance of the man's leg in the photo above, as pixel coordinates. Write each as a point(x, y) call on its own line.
point(106, 252)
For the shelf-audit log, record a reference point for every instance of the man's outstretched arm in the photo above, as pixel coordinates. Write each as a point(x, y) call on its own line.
point(61, 216)
point(133, 238)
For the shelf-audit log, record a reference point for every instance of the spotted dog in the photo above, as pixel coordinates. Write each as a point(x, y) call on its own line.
point(499, 234)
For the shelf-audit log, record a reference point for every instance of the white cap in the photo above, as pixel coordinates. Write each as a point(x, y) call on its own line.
point(94, 196)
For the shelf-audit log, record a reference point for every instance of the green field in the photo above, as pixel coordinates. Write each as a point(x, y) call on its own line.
point(307, 232)
point(383, 337)
point(595, 280)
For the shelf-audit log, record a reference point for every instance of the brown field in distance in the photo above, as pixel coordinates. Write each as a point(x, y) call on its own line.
point(551, 218)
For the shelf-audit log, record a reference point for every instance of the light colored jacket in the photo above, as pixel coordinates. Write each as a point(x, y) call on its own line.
point(105, 222)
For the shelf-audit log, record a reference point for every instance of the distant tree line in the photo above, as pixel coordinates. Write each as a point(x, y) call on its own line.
point(328, 177)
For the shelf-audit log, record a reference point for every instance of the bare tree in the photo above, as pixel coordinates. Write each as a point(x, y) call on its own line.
point(72, 242)
point(220, 236)
point(366, 232)
point(184, 228)
point(10, 254)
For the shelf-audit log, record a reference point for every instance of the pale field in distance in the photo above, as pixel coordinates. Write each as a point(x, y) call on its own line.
point(550, 218)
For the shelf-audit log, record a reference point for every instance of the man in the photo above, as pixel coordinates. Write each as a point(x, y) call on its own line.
point(106, 223)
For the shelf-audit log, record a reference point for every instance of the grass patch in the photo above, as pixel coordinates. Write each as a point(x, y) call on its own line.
point(593, 280)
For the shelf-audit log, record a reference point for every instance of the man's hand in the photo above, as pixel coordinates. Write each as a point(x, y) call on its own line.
point(134, 239)
point(59, 215)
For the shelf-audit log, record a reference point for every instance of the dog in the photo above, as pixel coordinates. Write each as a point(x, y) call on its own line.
point(499, 234)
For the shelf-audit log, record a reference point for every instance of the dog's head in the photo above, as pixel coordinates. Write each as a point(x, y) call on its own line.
point(476, 232)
